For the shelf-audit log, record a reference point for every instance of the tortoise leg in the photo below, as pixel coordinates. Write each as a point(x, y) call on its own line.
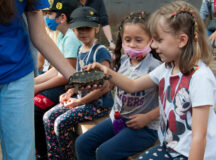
point(104, 85)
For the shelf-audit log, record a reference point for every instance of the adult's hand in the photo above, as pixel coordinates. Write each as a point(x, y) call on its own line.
point(212, 38)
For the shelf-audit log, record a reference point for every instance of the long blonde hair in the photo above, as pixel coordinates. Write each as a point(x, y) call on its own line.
point(182, 17)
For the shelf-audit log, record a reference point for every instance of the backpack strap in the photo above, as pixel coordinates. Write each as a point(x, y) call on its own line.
point(96, 50)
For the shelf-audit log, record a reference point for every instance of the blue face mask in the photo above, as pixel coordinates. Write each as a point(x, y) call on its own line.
point(51, 23)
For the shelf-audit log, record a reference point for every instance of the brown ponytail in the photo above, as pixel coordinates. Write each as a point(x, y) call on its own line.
point(7, 10)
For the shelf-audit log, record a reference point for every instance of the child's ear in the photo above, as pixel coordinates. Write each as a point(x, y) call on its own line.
point(63, 18)
point(182, 40)
point(98, 29)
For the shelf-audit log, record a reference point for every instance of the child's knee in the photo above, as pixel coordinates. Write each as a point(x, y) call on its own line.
point(103, 154)
point(57, 126)
point(46, 117)
point(79, 144)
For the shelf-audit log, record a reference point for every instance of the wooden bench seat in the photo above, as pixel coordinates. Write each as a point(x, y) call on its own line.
point(82, 127)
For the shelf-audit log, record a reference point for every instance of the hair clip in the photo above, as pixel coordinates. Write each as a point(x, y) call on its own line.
point(192, 13)
point(195, 67)
point(174, 14)
point(183, 10)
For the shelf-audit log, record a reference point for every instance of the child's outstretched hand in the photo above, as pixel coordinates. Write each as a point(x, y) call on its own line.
point(66, 96)
point(72, 102)
point(137, 121)
point(94, 65)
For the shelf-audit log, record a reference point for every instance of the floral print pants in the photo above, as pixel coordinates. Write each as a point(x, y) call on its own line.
point(59, 123)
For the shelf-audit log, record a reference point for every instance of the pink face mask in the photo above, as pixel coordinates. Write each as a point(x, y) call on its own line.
point(135, 53)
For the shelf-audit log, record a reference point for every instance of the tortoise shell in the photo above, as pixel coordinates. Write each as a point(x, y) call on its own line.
point(85, 78)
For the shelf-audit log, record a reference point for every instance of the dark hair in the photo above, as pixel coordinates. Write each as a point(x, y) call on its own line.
point(7, 10)
point(67, 14)
point(140, 18)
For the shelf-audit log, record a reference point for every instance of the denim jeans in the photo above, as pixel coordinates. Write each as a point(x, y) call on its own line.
point(100, 142)
point(17, 119)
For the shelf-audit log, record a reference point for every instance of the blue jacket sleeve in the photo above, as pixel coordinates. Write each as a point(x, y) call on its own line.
point(204, 12)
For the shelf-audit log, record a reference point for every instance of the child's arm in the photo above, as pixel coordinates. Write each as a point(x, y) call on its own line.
point(199, 130)
point(56, 81)
point(46, 76)
point(139, 121)
point(127, 84)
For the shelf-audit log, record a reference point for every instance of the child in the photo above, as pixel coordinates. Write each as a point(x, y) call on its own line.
point(139, 110)
point(50, 85)
point(60, 120)
point(186, 85)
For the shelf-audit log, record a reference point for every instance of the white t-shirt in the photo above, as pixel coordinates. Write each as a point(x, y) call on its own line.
point(140, 102)
point(177, 95)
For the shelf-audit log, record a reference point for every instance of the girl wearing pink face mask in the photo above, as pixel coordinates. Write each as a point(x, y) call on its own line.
point(133, 123)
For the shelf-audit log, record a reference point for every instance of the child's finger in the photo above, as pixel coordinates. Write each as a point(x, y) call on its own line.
point(85, 68)
point(130, 122)
point(132, 117)
point(88, 67)
point(67, 104)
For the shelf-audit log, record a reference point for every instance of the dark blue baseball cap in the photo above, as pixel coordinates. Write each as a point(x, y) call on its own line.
point(64, 6)
point(84, 17)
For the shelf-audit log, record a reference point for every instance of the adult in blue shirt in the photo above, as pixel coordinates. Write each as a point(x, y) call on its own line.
point(16, 74)
point(204, 13)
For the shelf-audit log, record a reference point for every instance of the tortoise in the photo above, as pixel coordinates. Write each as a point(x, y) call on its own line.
point(85, 78)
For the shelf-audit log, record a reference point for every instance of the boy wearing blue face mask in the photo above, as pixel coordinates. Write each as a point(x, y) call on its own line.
point(50, 85)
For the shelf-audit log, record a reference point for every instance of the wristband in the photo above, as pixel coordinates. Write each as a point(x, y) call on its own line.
point(111, 41)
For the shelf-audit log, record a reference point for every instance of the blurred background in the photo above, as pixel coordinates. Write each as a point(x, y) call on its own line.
point(116, 9)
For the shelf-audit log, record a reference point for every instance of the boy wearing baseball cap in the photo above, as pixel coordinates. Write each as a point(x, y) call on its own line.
point(50, 85)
